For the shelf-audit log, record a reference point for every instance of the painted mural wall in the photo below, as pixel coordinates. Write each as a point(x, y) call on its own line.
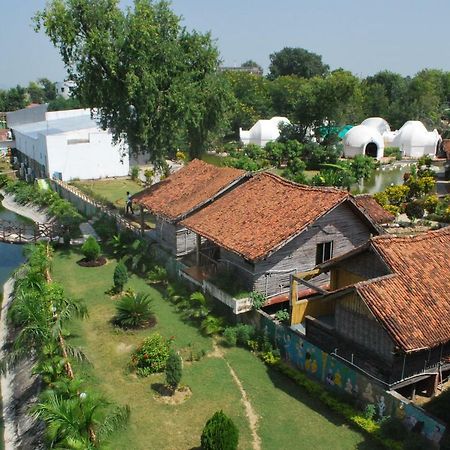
point(340, 376)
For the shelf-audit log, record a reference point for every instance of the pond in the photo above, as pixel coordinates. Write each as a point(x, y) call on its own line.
point(7, 215)
point(382, 178)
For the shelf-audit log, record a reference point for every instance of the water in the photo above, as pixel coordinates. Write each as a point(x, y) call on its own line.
point(7, 215)
point(381, 179)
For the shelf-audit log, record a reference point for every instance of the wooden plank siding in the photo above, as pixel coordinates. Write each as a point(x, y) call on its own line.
point(311, 307)
point(355, 322)
point(271, 276)
point(175, 238)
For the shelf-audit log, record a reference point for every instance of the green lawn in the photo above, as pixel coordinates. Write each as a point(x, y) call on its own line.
point(287, 417)
point(113, 190)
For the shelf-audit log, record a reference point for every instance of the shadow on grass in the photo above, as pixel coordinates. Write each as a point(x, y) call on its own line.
point(161, 389)
point(284, 383)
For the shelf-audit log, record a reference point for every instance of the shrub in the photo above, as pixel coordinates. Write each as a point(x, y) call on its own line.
point(120, 277)
point(282, 315)
point(134, 173)
point(393, 428)
point(230, 335)
point(105, 227)
point(397, 194)
point(211, 325)
point(158, 274)
point(174, 370)
point(257, 299)
point(91, 249)
point(151, 356)
point(220, 433)
point(430, 203)
point(393, 151)
point(414, 210)
point(133, 310)
point(244, 333)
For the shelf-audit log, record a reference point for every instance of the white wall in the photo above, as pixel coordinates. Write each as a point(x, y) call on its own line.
point(97, 158)
point(33, 148)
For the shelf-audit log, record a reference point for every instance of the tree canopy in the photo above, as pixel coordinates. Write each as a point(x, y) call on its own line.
point(296, 61)
point(143, 71)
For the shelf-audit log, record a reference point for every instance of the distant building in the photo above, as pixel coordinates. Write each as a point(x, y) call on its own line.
point(64, 88)
point(65, 145)
point(263, 131)
point(374, 134)
point(255, 70)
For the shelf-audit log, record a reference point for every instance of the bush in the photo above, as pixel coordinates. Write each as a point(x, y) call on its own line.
point(134, 173)
point(393, 151)
point(257, 299)
point(220, 433)
point(282, 315)
point(158, 274)
point(393, 428)
point(414, 210)
point(91, 249)
point(120, 277)
point(174, 370)
point(230, 335)
point(151, 356)
point(133, 310)
point(105, 227)
point(430, 203)
point(244, 333)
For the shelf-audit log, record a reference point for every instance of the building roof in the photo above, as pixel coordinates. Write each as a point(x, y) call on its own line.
point(260, 216)
point(54, 125)
point(412, 303)
point(361, 135)
point(373, 209)
point(188, 189)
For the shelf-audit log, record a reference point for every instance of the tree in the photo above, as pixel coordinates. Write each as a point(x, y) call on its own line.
point(296, 61)
point(251, 64)
point(120, 277)
point(414, 210)
point(134, 310)
point(91, 249)
point(174, 370)
point(140, 67)
point(220, 433)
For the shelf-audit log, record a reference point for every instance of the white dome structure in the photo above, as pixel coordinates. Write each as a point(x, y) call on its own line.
point(378, 124)
point(414, 140)
point(263, 131)
point(363, 140)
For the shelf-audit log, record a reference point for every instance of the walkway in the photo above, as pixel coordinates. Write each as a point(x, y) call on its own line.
point(30, 211)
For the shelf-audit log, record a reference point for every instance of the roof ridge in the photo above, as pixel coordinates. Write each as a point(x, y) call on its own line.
point(417, 238)
point(305, 187)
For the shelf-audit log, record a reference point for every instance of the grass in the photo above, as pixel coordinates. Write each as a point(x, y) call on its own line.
point(288, 418)
point(113, 190)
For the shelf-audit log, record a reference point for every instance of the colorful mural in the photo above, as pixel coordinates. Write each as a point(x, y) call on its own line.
point(338, 375)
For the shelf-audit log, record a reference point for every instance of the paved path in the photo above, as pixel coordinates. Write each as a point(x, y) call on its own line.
point(30, 211)
point(86, 230)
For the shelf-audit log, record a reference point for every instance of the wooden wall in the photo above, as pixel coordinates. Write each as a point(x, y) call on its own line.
point(355, 322)
point(340, 278)
point(311, 307)
point(341, 225)
point(186, 241)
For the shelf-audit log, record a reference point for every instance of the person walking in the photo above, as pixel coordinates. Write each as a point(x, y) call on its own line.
point(129, 204)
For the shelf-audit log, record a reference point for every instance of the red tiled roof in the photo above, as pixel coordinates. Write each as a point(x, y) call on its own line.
point(259, 216)
point(188, 189)
point(413, 303)
point(373, 209)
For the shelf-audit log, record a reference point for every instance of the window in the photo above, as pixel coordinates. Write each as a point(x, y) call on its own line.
point(324, 252)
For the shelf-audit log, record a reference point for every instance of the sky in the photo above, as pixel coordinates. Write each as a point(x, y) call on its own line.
point(362, 36)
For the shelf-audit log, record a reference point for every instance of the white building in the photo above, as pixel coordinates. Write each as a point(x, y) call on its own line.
point(374, 134)
point(263, 131)
point(414, 140)
point(65, 145)
point(64, 88)
point(363, 140)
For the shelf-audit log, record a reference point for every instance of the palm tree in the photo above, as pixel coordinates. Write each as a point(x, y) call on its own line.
point(133, 310)
point(79, 422)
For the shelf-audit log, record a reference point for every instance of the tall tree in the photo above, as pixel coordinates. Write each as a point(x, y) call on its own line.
point(140, 67)
point(296, 61)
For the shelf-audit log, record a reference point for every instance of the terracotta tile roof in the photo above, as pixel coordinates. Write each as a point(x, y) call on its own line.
point(413, 303)
point(373, 209)
point(259, 216)
point(188, 189)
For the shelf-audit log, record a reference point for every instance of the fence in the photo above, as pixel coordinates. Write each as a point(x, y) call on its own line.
point(338, 375)
point(90, 207)
point(14, 233)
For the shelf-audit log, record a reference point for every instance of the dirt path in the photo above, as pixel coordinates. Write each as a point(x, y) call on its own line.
point(249, 411)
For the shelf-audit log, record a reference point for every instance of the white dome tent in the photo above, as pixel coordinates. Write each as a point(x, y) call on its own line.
point(263, 131)
point(414, 140)
point(363, 140)
point(378, 124)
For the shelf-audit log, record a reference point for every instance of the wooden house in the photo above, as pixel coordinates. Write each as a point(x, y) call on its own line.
point(388, 309)
point(268, 228)
point(182, 194)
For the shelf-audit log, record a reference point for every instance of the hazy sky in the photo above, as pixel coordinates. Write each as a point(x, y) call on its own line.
point(359, 35)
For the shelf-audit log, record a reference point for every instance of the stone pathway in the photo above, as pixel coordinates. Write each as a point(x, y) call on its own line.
point(30, 211)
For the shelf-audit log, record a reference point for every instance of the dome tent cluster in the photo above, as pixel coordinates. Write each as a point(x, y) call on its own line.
point(374, 134)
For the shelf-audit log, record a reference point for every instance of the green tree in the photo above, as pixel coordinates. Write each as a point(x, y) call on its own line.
point(250, 64)
point(91, 249)
point(296, 61)
point(35, 92)
point(120, 277)
point(140, 67)
point(220, 433)
point(174, 370)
